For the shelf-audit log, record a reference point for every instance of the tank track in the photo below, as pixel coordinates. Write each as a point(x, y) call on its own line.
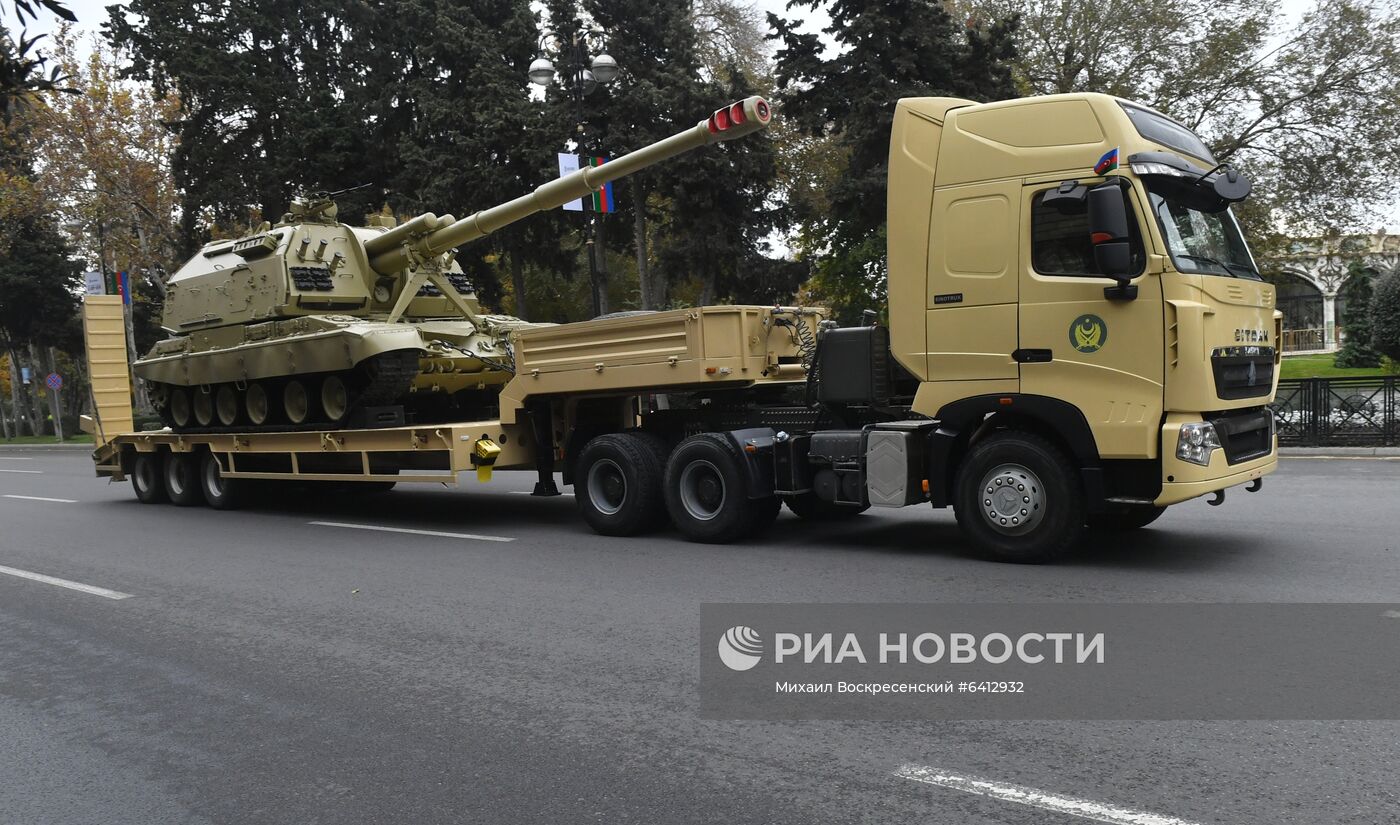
point(381, 381)
point(388, 377)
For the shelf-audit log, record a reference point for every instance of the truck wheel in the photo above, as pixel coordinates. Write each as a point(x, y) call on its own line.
point(146, 479)
point(221, 493)
point(1125, 517)
point(181, 475)
point(1019, 499)
point(707, 490)
point(617, 484)
point(811, 507)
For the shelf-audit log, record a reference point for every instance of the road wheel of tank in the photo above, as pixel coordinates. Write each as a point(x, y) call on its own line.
point(812, 507)
point(256, 404)
point(1018, 498)
point(618, 484)
point(335, 398)
point(181, 411)
point(181, 475)
point(707, 490)
point(1121, 518)
point(296, 402)
point(146, 478)
point(203, 406)
point(226, 404)
point(221, 493)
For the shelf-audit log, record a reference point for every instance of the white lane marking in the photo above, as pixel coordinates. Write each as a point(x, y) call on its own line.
point(43, 498)
point(31, 472)
point(13, 458)
point(528, 493)
point(1083, 808)
point(1391, 614)
point(79, 586)
point(410, 531)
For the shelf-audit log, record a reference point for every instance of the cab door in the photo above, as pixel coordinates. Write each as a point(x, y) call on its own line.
point(1103, 356)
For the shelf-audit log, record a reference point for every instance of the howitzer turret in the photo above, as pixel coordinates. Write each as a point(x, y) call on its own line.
point(312, 322)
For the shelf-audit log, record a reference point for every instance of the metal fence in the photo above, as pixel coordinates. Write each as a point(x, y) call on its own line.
point(1331, 412)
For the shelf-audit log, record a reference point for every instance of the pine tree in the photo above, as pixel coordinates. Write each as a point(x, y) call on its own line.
point(885, 51)
point(1358, 352)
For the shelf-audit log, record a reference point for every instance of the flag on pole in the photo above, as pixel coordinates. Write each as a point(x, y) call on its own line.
point(602, 200)
point(124, 287)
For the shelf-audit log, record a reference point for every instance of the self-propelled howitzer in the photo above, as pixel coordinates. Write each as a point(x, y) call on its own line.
point(311, 322)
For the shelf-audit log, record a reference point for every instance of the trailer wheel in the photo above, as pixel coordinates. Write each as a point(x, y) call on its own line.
point(1125, 517)
point(221, 493)
point(707, 490)
point(181, 475)
point(146, 479)
point(811, 507)
point(617, 483)
point(1018, 498)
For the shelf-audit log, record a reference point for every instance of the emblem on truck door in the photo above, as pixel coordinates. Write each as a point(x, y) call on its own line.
point(1088, 333)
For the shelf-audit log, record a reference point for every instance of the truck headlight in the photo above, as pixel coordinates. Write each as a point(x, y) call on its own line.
point(1196, 442)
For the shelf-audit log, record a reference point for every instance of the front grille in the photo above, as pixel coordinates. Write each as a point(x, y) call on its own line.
point(1243, 372)
point(1245, 435)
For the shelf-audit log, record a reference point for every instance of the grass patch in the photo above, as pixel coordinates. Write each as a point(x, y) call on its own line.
point(1321, 365)
point(77, 438)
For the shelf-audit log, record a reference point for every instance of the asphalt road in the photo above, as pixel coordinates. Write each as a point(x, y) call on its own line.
point(270, 670)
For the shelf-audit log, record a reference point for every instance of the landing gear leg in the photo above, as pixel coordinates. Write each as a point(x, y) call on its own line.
point(542, 425)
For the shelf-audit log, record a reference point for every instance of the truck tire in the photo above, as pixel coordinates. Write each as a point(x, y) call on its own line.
point(1019, 499)
point(707, 491)
point(180, 472)
point(221, 493)
point(811, 507)
point(617, 485)
point(1125, 517)
point(147, 480)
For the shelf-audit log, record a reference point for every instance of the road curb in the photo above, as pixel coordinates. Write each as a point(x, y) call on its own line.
point(46, 448)
point(1339, 452)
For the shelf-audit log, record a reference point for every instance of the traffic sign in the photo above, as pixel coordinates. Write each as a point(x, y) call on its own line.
point(55, 381)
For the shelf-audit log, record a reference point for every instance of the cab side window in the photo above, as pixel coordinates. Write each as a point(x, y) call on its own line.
point(1060, 240)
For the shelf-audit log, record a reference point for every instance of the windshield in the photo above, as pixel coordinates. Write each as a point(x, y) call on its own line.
point(1206, 242)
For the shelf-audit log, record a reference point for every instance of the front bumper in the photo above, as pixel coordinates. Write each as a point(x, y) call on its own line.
point(1182, 480)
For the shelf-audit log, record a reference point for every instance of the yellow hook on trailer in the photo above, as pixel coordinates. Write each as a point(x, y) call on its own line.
point(484, 455)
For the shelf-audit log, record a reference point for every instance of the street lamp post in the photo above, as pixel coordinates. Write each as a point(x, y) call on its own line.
point(582, 77)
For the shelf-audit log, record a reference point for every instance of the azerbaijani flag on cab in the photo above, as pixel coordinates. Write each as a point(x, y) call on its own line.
point(1107, 163)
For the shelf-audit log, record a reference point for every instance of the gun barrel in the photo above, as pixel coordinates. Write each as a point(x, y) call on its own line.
point(421, 225)
point(736, 120)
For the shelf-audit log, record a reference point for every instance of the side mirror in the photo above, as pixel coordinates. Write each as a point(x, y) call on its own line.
point(1108, 232)
point(1232, 186)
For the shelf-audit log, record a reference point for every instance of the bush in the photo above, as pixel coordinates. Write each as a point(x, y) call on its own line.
point(1385, 315)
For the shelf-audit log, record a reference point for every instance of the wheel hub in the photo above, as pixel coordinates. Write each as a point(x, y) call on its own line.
point(1012, 499)
point(702, 490)
point(607, 487)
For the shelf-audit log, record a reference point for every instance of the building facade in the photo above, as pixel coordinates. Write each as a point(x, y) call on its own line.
point(1313, 280)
